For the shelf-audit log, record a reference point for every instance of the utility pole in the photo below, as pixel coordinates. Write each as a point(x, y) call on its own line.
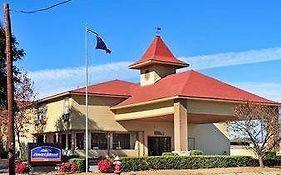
point(10, 93)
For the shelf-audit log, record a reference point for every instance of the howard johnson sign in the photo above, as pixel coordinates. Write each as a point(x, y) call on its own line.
point(44, 153)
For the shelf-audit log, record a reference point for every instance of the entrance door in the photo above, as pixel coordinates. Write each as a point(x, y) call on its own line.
point(158, 145)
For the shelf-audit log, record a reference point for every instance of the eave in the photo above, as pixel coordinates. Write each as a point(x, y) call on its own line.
point(191, 98)
point(139, 65)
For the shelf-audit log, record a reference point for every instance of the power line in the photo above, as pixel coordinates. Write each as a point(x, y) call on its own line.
point(42, 9)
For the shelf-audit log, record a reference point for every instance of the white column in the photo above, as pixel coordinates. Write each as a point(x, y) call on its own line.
point(180, 125)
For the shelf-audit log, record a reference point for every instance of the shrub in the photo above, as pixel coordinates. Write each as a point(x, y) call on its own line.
point(196, 152)
point(186, 162)
point(272, 161)
point(165, 154)
point(105, 166)
point(269, 155)
point(22, 168)
point(81, 164)
point(68, 167)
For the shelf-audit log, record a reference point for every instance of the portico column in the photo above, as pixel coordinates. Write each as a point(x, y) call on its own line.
point(140, 144)
point(180, 125)
point(66, 141)
point(57, 138)
point(44, 138)
point(73, 141)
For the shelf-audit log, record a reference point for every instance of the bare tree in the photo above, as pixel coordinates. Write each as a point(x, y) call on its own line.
point(24, 99)
point(259, 124)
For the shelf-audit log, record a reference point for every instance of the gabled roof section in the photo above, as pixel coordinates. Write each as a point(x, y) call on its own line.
point(158, 53)
point(189, 84)
point(114, 88)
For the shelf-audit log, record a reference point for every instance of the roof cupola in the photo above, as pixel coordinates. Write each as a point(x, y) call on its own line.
point(157, 62)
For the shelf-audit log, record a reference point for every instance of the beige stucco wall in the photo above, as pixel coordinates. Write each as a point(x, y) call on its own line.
point(100, 115)
point(210, 107)
point(145, 111)
point(153, 73)
point(55, 110)
point(240, 150)
point(209, 138)
point(167, 108)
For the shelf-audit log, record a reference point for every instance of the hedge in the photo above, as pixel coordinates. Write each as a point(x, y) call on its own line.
point(81, 164)
point(165, 154)
point(186, 162)
point(196, 152)
point(272, 161)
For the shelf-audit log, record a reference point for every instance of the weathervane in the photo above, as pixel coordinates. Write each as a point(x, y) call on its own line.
point(158, 30)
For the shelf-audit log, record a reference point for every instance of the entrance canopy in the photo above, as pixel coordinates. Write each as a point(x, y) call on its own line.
point(198, 111)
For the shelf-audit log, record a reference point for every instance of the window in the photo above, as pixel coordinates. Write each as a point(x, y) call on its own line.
point(63, 141)
point(69, 141)
point(40, 138)
point(121, 141)
point(99, 141)
point(146, 74)
point(80, 140)
point(54, 139)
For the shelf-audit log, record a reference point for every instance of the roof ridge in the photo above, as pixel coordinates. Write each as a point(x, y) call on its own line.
point(101, 83)
point(156, 44)
point(187, 79)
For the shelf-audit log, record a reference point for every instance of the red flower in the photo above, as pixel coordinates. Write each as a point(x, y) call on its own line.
point(68, 167)
point(22, 168)
point(105, 166)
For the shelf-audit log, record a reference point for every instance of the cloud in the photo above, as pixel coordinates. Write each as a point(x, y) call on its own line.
point(233, 58)
point(268, 90)
point(52, 81)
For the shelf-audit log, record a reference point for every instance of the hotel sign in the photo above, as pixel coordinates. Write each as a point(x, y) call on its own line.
point(44, 153)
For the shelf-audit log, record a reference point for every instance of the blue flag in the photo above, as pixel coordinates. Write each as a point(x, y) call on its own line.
point(101, 45)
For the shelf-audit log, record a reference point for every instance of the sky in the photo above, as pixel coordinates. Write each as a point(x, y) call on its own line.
point(238, 42)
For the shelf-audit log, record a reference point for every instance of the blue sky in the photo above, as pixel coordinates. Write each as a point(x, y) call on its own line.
point(235, 41)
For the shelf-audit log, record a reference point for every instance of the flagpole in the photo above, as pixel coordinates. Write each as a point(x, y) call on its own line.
point(86, 94)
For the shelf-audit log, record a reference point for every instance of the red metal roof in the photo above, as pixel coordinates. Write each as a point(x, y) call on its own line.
point(159, 53)
point(114, 87)
point(190, 84)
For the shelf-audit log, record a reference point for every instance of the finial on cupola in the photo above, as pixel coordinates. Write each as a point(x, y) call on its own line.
point(158, 30)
